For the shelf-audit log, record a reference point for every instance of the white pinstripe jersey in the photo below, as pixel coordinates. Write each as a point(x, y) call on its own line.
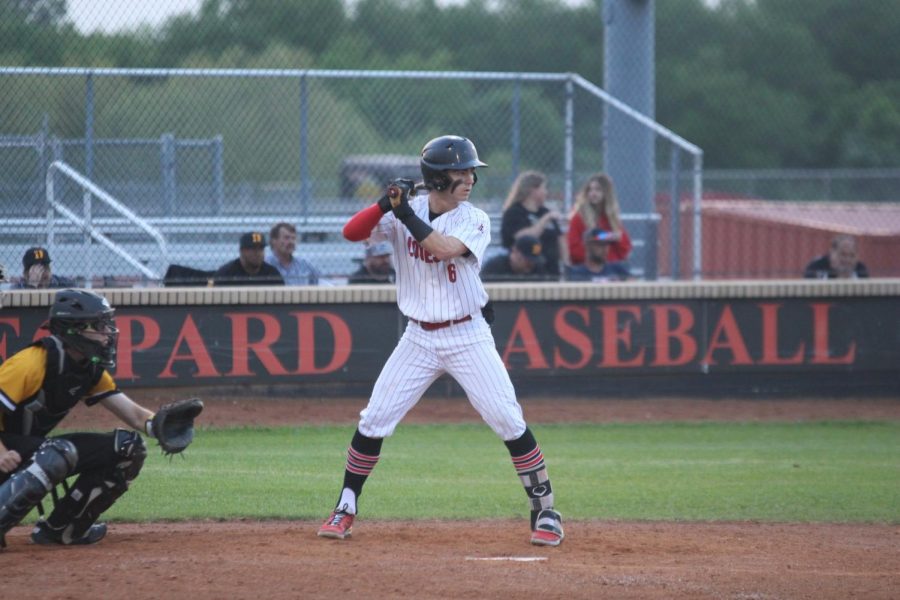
point(432, 290)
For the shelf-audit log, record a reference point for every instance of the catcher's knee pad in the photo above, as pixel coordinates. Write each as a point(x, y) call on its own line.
point(57, 458)
point(131, 450)
point(50, 465)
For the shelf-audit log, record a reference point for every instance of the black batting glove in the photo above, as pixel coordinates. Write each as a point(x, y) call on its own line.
point(398, 193)
point(405, 186)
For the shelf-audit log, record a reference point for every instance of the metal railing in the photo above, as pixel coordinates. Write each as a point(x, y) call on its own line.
point(86, 224)
point(550, 122)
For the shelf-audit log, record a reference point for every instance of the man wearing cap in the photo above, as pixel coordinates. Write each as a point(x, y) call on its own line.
point(294, 270)
point(249, 268)
point(36, 271)
point(376, 267)
point(596, 266)
point(525, 262)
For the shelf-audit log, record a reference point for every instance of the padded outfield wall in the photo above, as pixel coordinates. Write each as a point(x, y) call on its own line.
point(710, 339)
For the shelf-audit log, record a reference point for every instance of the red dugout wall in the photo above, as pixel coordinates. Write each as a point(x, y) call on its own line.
point(760, 239)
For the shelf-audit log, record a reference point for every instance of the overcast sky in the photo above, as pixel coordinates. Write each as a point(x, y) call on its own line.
point(117, 15)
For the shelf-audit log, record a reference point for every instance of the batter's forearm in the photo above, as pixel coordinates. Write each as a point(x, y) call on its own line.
point(444, 247)
point(360, 225)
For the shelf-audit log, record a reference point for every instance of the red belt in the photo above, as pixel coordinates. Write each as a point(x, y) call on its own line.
point(442, 324)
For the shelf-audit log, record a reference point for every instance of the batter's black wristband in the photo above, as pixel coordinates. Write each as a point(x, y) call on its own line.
point(417, 227)
point(384, 203)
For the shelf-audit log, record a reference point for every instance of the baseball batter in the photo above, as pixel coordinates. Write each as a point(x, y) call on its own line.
point(439, 242)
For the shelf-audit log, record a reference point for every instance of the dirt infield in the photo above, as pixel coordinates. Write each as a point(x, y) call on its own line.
point(483, 559)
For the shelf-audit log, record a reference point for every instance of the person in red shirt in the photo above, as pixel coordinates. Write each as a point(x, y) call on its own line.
point(596, 205)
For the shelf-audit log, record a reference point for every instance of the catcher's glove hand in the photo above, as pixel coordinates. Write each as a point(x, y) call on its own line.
point(173, 424)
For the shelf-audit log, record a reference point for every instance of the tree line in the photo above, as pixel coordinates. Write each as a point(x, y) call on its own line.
point(755, 83)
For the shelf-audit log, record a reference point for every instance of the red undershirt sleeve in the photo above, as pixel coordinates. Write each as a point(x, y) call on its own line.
point(360, 225)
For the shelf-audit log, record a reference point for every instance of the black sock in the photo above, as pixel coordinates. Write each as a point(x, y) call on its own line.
point(362, 456)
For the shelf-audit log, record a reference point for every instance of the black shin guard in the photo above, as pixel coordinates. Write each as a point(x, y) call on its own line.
point(528, 460)
point(94, 492)
point(52, 462)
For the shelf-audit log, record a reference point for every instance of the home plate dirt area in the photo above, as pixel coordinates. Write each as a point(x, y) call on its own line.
point(471, 559)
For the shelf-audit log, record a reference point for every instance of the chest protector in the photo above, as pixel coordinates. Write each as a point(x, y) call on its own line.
point(65, 383)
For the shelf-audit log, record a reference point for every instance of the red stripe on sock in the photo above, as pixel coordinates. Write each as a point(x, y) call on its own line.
point(529, 462)
point(360, 464)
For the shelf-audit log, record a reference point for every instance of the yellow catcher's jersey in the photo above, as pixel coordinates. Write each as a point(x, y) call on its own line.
point(41, 384)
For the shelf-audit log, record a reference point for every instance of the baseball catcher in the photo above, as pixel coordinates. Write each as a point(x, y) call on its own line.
point(38, 388)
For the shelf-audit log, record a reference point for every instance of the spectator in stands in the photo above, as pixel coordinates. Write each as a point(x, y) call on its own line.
point(596, 206)
point(37, 273)
point(294, 270)
point(376, 267)
point(841, 261)
point(525, 213)
point(249, 268)
point(524, 262)
point(596, 266)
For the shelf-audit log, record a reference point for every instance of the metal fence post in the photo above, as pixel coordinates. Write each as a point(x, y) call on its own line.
point(304, 147)
point(218, 175)
point(698, 216)
point(42, 141)
point(167, 162)
point(675, 212)
point(569, 145)
point(89, 171)
point(516, 136)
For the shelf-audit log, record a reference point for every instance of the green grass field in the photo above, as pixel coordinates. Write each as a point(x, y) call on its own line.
point(802, 472)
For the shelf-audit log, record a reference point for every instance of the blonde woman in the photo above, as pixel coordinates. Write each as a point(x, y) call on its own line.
point(524, 213)
point(596, 205)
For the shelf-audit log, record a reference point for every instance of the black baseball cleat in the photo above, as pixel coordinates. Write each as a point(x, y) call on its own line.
point(46, 536)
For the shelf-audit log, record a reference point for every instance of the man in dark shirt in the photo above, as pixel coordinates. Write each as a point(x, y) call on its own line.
point(840, 262)
point(250, 268)
point(376, 266)
point(525, 262)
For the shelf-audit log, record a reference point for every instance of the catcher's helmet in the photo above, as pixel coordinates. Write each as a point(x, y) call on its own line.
point(447, 153)
point(76, 312)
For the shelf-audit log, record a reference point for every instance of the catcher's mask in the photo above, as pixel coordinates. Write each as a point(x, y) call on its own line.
point(447, 153)
point(85, 322)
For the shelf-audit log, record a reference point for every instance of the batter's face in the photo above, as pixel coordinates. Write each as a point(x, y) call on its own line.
point(462, 182)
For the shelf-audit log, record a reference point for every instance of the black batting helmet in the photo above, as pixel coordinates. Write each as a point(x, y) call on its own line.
point(447, 153)
point(75, 312)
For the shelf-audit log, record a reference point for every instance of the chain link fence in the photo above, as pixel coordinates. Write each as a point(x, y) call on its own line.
point(123, 172)
point(200, 157)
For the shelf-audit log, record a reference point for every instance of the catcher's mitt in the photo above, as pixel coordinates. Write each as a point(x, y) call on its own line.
point(173, 424)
